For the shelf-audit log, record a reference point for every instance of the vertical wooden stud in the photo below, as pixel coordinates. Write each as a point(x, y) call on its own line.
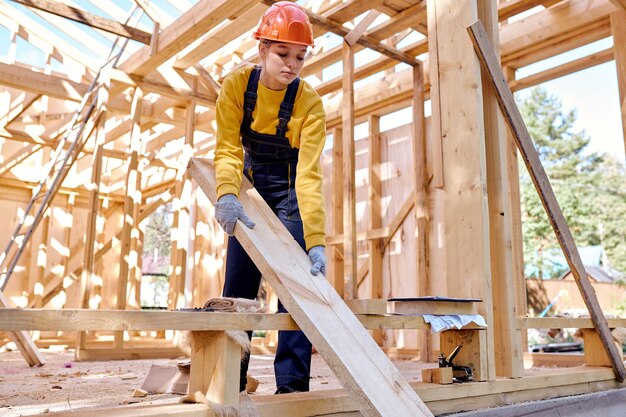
point(337, 217)
point(420, 180)
point(129, 223)
point(375, 216)
point(349, 194)
point(461, 126)
point(215, 365)
point(618, 28)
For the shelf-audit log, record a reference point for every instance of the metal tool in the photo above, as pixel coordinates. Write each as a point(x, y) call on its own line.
point(460, 373)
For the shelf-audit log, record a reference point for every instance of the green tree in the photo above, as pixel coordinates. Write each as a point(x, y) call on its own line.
point(588, 187)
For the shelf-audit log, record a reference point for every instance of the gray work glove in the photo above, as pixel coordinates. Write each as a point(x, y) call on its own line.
point(228, 210)
point(318, 260)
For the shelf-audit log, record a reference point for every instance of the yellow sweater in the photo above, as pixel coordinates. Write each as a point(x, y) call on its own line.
point(306, 131)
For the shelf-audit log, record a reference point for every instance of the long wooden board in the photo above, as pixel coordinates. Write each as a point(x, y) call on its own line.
point(357, 361)
point(529, 154)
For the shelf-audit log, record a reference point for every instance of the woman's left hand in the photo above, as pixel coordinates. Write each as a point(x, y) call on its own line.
point(318, 260)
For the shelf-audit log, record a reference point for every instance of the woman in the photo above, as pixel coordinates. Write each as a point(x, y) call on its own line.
point(271, 127)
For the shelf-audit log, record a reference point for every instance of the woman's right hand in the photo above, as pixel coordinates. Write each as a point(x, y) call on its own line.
point(228, 210)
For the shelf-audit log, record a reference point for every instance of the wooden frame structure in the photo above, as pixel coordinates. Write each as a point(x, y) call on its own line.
point(443, 192)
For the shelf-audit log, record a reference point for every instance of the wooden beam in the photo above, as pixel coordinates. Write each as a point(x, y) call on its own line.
point(337, 216)
point(349, 185)
point(351, 353)
point(375, 259)
point(461, 131)
point(564, 323)
point(548, 199)
point(131, 200)
point(420, 183)
point(546, 34)
point(562, 70)
point(215, 40)
point(510, 8)
point(48, 41)
point(197, 21)
point(353, 36)
point(89, 19)
point(618, 29)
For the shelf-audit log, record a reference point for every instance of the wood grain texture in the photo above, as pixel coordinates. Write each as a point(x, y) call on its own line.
point(364, 370)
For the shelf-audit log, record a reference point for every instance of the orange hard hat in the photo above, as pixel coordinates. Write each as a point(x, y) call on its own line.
point(286, 22)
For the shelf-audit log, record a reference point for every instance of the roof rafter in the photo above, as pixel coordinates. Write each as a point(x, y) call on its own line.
point(89, 19)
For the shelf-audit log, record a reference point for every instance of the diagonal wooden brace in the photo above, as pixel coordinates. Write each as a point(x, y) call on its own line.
point(23, 341)
point(529, 154)
point(365, 371)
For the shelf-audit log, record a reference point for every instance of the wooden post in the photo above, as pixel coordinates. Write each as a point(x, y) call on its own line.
point(618, 28)
point(215, 364)
point(375, 216)
point(473, 351)
point(129, 223)
point(546, 194)
point(181, 225)
point(508, 349)
point(90, 243)
point(517, 243)
point(436, 195)
point(349, 186)
point(461, 125)
point(337, 217)
point(420, 179)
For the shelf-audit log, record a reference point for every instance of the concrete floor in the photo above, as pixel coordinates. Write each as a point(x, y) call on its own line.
point(599, 404)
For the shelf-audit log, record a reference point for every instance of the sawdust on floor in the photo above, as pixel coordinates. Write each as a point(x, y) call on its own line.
point(63, 384)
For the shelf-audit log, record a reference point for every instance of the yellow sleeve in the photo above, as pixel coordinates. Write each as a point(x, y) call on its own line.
point(309, 172)
point(228, 148)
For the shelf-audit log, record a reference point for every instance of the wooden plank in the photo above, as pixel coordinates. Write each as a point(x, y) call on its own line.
point(462, 129)
point(542, 184)
point(437, 375)
point(133, 187)
point(215, 40)
point(375, 246)
point(562, 70)
point(358, 31)
point(564, 323)
point(197, 21)
point(443, 399)
point(337, 215)
point(473, 351)
point(351, 353)
point(89, 19)
point(349, 182)
point(507, 339)
point(420, 307)
point(13, 319)
point(618, 29)
point(594, 352)
point(510, 8)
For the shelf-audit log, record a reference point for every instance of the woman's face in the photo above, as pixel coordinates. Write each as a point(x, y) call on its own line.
point(282, 62)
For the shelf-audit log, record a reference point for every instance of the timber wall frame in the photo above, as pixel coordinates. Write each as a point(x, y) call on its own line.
point(160, 113)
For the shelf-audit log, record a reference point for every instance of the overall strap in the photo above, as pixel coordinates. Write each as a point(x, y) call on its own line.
point(249, 98)
point(286, 108)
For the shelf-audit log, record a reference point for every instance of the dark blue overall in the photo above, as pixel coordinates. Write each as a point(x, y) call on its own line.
point(270, 164)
